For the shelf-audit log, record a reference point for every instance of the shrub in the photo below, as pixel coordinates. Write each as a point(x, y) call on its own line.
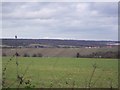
point(4, 54)
point(40, 55)
point(26, 55)
point(34, 55)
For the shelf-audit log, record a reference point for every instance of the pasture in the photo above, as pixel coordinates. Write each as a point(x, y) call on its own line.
point(63, 72)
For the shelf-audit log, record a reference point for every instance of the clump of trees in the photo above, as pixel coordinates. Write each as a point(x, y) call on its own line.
point(4, 54)
point(37, 55)
point(34, 55)
point(26, 55)
point(108, 54)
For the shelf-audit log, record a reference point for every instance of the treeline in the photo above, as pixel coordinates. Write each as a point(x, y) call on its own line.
point(25, 55)
point(108, 54)
point(53, 42)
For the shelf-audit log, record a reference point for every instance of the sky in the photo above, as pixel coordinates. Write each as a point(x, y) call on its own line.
point(60, 20)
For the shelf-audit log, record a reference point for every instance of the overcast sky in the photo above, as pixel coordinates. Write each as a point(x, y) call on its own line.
point(83, 21)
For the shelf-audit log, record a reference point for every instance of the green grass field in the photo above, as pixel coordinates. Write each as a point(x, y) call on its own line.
point(63, 72)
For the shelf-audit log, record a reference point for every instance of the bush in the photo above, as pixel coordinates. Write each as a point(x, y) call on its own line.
point(40, 55)
point(34, 55)
point(37, 55)
point(26, 55)
point(4, 54)
point(108, 54)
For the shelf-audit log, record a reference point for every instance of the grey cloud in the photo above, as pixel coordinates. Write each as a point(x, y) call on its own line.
point(60, 20)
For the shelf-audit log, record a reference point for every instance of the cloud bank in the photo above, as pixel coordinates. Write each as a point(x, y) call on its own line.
point(88, 21)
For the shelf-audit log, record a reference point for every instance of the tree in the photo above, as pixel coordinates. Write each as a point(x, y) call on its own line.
point(17, 54)
point(78, 55)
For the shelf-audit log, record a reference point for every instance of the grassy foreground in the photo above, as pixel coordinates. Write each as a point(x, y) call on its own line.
point(63, 72)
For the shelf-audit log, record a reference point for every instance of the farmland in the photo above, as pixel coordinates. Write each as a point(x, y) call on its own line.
point(58, 52)
point(63, 72)
point(59, 63)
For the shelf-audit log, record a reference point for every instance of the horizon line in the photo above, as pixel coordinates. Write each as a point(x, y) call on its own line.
point(61, 39)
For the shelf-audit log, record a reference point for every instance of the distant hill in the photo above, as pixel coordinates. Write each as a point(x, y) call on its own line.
point(55, 42)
